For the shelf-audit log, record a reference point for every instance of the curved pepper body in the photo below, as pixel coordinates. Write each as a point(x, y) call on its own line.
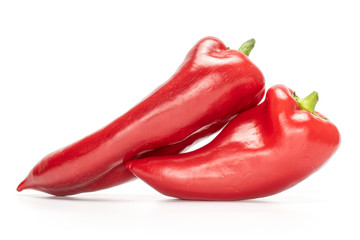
point(121, 174)
point(213, 84)
point(261, 152)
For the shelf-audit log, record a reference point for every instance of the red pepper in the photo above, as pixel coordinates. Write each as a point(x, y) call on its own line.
point(261, 152)
point(120, 174)
point(211, 86)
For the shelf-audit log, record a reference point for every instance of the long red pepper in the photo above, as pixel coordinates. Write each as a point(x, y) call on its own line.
point(211, 86)
point(120, 174)
point(261, 152)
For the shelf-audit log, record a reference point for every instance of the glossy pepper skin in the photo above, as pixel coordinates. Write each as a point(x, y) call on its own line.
point(261, 152)
point(120, 174)
point(211, 86)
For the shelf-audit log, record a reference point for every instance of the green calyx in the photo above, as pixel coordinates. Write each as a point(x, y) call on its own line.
point(308, 103)
point(247, 46)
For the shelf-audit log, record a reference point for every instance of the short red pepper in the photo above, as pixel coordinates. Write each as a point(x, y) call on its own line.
point(261, 152)
point(211, 86)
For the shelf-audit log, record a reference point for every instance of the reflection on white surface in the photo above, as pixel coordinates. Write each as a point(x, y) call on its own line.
point(155, 213)
point(137, 211)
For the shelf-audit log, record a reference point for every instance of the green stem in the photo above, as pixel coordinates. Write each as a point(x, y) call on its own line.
point(308, 103)
point(247, 46)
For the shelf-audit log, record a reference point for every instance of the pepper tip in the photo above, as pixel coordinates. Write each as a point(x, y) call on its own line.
point(22, 186)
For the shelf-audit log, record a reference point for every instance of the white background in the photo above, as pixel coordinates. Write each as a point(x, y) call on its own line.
point(67, 68)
